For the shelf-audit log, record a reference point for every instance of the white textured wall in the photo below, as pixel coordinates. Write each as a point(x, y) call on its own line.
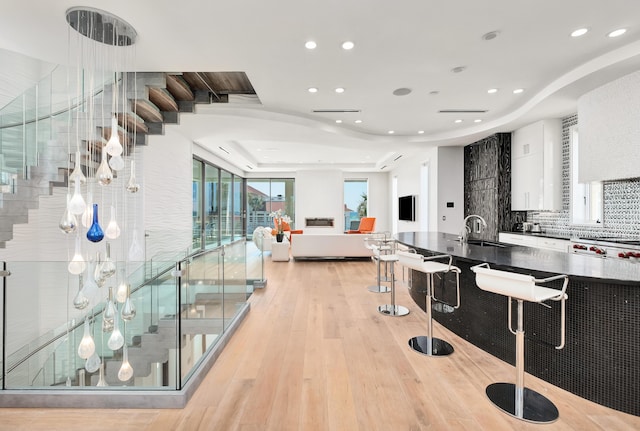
point(319, 194)
point(609, 130)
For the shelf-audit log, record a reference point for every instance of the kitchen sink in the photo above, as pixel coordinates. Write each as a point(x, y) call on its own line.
point(485, 243)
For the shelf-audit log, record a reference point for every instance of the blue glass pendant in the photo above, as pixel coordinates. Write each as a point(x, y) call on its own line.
point(95, 232)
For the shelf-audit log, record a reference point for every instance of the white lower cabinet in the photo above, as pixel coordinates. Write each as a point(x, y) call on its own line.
point(534, 241)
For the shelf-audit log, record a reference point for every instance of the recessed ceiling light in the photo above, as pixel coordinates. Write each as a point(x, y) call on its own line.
point(358, 121)
point(518, 90)
point(616, 33)
point(477, 120)
point(312, 90)
point(458, 121)
point(458, 69)
point(492, 90)
point(579, 32)
point(401, 91)
point(310, 45)
point(339, 90)
point(348, 45)
point(391, 132)
point(338, 121)
point(420, 132)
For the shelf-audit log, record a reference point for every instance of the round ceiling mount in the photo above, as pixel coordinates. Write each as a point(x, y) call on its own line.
point(490, 35)
point(101, 26)
point(401, 91)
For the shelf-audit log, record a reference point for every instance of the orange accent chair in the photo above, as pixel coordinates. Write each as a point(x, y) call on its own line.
point(367, 225)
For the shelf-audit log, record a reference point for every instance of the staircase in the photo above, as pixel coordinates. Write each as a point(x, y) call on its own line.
point(155, 99)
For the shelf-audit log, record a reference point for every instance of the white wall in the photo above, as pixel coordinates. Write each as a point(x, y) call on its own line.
point(445, 184)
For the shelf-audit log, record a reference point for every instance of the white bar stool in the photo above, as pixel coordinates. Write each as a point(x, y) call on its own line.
point(428, 345)
point(514, 399)
point(375, 242)
point(391, 309)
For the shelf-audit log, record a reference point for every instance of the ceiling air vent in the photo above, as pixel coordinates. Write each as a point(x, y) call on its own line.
point(462, 111)
point(335, 111)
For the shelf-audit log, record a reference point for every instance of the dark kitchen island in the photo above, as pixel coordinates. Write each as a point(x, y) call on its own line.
point(601, 358)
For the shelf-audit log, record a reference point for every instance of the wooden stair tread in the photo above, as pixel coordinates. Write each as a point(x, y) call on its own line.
point(179, 88)
point(132, 122)
point(163, 99)
point(147, 111)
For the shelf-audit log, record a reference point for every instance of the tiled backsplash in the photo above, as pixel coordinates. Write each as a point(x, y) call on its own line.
point(621, 203)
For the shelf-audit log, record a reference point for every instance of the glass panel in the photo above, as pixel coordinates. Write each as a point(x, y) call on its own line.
point(197, 204)
point(355, 202)
point(226, 207)
point(238, 208)
point(258, 196)
point(211, 196)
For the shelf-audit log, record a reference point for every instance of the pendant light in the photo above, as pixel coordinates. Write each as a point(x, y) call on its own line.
point(87, 345)
point(77, 205)
point(68, 222)
point(108, 268)
point(113, 230)
point(116, 163)
point(92, 364)
point(87, 215)
point(95, 232)
point(101, 380)
point(104, 174)
point(97, 271)
point(108, 313)
point(135, 251)
point(114, 147)
point(90, 287)
point(128, 309)
point(132, 185)
point(77, 264)
point(77, 175)
point(126, 372)
point(123, 288)
point(116, 340)
point(80, 301)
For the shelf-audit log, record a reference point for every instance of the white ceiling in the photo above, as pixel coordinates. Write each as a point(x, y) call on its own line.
point(405, 43)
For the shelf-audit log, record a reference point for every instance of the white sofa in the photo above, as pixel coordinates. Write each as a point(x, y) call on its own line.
point(329, 246)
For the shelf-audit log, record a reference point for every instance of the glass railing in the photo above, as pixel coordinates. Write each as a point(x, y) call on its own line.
point(181, 312)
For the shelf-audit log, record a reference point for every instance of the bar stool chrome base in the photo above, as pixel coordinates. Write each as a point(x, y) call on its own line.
point(379, 289)
point(393, 310)
point(439, 347)
point(536, 408)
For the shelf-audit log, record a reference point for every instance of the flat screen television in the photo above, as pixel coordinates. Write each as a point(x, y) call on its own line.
point(407, 208)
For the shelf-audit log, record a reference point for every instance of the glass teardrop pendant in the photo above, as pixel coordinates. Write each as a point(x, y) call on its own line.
point(68, 222)
point(116, 163)
point(77, 264)
point(87, 215)
point(95, 233)
point(116, 340)
point(80, 301)
point(90, 287)
point(121, 291)
point(87, 346)
point(109, 313)
point(104, 174)
point(128, 309)
point(114, 147)
point(77, 205)
point(126, 372)
point(113, 230)
point(101, 380)
point(97, 274)
point(77, 175)
point(108, 268)
point(92, 363)
point(135, 251)
point(132, 185)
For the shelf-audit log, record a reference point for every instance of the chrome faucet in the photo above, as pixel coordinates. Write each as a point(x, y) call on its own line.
point(464, 233)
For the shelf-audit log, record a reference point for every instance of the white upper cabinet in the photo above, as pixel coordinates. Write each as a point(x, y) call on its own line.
point(536, 167)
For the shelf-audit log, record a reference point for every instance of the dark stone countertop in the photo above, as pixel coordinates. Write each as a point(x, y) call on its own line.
point(613, 270)
point(541, 235)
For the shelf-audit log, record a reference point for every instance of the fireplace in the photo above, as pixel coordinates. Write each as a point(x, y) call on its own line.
point(318, 222)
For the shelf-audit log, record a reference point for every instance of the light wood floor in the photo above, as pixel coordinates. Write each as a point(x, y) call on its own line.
point(314, 354)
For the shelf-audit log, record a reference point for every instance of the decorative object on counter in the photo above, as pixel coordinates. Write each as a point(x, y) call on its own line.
point(279, 219)
point(515, 399)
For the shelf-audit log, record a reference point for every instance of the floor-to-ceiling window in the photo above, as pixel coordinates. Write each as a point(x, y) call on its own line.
point(265, 195)
point(355, 202)
point(211, 205)
point(218, 205)
point(197, 203)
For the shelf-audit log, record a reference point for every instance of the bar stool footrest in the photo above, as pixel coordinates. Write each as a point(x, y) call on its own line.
point(536, 407)
point(391, 310)
point(379, 289)
point(438, 347)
